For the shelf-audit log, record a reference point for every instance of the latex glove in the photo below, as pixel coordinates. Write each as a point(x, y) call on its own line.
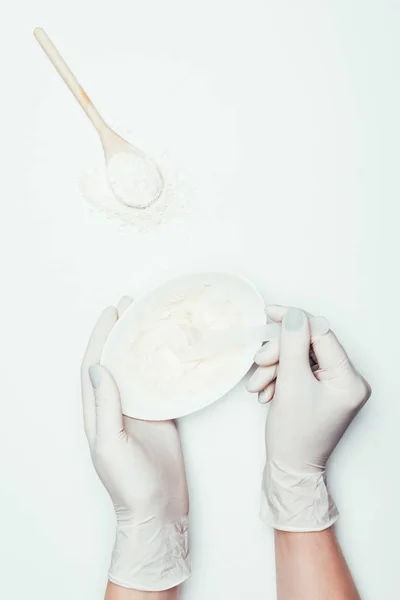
point(263, 380)
point(309, 413)
point(141, 466)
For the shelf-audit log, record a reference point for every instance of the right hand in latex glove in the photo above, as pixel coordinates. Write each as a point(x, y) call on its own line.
point(309, 413)
point(141, 466)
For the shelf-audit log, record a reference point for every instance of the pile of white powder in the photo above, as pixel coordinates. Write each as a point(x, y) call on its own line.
point(167, 332)
point(134, 179)
point(172, 205)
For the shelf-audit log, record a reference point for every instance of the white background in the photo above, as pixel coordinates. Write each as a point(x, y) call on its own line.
point(284, 118)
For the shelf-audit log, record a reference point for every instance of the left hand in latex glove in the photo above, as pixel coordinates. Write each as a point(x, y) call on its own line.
point(141, 466)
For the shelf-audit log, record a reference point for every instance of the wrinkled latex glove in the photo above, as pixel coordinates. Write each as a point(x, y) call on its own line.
point(309, 413)
point(141, 466)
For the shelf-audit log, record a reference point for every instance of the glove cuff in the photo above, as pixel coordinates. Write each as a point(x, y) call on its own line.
point(296, 502)
point(151, 556)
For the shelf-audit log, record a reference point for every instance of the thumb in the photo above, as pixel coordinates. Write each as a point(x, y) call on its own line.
point(108, 403)
point(295, 343)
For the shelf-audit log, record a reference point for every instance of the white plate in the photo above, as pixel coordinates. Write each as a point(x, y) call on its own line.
point(141, 401)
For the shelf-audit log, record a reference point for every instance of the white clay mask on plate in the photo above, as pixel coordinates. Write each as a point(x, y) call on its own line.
point(167, 334)
point(148, 351)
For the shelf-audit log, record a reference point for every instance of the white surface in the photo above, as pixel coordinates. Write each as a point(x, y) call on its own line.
point(285, 117)
point(208, 381)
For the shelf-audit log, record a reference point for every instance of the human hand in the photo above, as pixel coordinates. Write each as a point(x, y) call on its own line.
point(141, 466)
point(309, 413)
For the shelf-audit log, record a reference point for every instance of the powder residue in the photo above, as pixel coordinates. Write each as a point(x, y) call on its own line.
point(166, 334)
point(172, 205)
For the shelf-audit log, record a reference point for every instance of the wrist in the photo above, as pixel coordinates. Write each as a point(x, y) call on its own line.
point(151, 556)
point(296, 502)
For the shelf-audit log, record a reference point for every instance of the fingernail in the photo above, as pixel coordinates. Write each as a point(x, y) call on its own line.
point(123, 305)
point(95, 375)
point(262, 398)
point(294, 319)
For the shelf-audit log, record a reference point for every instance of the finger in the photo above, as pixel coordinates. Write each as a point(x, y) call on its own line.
point(268, 355)
point(276, 312)
point(100, 333)
point(108, 403)
point(294, 344)
point(123, 305)
point(318, 325)
point(266, 395)
point(93, 352)
point(262, 378)
point(331, 357)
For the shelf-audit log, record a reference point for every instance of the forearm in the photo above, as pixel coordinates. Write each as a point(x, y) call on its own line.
point(311, 566)
point(116, 592)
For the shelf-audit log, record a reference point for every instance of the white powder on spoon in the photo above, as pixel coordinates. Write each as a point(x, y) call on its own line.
point(134, 179)
point(172, 205)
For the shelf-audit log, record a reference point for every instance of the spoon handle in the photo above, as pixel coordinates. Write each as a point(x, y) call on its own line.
point(69, 78)
point(224, 339)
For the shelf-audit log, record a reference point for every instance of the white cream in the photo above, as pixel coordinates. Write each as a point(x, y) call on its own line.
point(157, 352)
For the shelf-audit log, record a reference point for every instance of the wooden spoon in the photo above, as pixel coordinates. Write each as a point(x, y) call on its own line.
point(138, 188)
